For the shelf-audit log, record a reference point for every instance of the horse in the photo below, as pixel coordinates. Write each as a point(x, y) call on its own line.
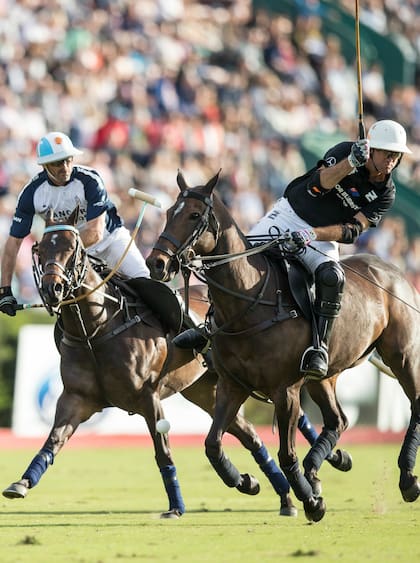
point(115, 351)
point(258, 334)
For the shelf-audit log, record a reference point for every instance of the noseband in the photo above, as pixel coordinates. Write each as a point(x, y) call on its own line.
point(206, 222)
point(72, 274)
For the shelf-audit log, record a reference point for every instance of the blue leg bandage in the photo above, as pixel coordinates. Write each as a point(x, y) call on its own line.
point(38, 467)
point(269, 467)
point(308, 431)
point(173, 489)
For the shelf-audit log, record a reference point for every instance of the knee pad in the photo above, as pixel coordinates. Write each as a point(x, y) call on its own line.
point(329, 284)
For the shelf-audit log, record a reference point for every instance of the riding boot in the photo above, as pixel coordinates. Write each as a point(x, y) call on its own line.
point(314, 363)
point(191, 339)
point(329, 284)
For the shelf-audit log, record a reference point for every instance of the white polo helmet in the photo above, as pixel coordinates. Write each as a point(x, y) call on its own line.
point(55, 146)
point(388, 135)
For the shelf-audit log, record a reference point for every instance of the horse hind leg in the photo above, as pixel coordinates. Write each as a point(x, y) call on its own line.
point(409, 484)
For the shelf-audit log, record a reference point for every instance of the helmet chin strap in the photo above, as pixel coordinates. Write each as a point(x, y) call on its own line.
point(52, 177)
point(376, 168)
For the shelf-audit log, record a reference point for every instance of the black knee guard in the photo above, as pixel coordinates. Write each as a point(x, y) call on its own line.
point(329, 284)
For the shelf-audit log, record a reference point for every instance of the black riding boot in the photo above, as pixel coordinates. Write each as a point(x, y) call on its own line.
point(329, 284)
point(191, 339)
point(314, 364)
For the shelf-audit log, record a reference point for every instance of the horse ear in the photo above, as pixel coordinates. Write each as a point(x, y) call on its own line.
point(49, 217)
point(180, 180)
point(74, 217)
point(211, 184)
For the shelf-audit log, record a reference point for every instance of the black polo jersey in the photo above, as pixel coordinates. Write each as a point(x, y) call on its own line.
point(354, 193)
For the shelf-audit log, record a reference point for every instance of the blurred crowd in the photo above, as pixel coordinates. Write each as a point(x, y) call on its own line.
point(146, 88)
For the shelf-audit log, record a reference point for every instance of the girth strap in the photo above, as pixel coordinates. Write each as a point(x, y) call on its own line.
point(77, 341)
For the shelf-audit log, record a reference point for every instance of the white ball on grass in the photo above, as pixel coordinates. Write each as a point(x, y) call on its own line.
point(163, 426)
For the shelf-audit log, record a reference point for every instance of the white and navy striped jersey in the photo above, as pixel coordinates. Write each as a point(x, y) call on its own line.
point(85, 188)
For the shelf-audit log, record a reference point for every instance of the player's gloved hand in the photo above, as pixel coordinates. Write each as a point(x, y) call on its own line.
point(7, 301)
point(359, 154)
point(299, 240)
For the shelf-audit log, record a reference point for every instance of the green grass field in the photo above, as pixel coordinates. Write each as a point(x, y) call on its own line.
point(103, 505)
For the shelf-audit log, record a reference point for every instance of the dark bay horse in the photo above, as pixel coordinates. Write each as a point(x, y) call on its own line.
point(115, 351)
point(257, 342)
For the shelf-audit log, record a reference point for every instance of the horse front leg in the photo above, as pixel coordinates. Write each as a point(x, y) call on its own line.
point(287, 404)
point(335, 422)
point(71, 410)
point(152, 412)
point(229, 398)
point(202, 393)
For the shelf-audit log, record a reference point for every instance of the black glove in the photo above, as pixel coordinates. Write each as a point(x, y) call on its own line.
point(7, 301)
point(359, 154)
point(299, 240)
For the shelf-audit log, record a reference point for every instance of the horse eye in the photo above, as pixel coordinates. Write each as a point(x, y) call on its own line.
point(195, 215)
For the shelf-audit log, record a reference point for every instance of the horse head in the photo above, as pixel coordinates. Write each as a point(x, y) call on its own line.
point(59, 260)
point(191, 228)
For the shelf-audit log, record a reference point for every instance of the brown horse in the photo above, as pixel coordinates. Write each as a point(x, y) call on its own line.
point(258, 339)
point(115, 351)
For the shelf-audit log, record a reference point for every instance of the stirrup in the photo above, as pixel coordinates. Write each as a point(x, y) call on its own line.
point(314, 363)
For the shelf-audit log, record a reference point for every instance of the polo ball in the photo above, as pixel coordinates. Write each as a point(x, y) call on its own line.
point(163, 426)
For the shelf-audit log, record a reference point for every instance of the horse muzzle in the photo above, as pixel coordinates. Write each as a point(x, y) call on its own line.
point(53, 290)
point(162, 268)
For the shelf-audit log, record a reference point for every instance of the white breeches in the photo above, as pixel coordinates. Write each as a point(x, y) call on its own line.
point(111, 249)
point(280, 218)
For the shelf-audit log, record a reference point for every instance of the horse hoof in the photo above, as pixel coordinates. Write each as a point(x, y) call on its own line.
point(315, 509)
point(174, 514)
point(287, 508)
point(15, 490)
point(248, 485)
point(341, 460)
point(411, 493)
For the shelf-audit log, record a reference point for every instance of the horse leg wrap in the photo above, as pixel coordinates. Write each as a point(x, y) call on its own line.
point(308, 431)
point(172, 488)
point(226, 470)
point(271, 471)
point(322, 448)
point(408, 453)
point(298, 482)
point(38, 467)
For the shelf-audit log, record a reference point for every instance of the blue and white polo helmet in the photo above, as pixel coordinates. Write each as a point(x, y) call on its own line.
point(55, 146)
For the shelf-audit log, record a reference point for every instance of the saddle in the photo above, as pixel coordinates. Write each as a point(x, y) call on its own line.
point(300, 279)
point(301, 285)
point(160, 299)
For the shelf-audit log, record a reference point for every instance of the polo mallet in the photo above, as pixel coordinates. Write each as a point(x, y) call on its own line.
point(362, 132)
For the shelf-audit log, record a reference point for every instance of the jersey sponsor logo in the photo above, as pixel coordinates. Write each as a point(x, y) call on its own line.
point(354, 192)
point(371, 196)
point(346, 199)
point(314, 191)
point(273, 215)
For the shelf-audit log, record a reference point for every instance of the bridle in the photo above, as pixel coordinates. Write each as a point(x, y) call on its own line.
point(72, 274)
point(206, 222)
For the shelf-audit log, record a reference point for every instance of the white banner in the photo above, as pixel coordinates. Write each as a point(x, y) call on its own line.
point(38, 386)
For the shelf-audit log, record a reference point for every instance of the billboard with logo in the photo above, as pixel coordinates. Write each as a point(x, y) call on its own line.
point(38, 386)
